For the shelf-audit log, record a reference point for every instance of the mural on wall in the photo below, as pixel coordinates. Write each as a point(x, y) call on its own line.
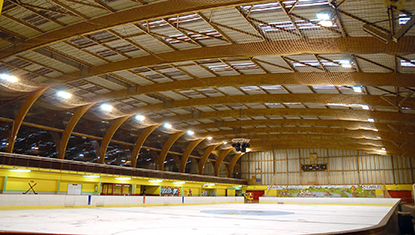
point(169, 191)
point(327, 191)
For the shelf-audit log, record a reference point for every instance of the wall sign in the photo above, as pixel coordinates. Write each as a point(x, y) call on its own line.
point(169, 191)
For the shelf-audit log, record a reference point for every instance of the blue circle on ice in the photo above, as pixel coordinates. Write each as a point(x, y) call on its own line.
point(247, 212)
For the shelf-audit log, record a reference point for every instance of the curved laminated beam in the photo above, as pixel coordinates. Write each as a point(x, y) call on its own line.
point(167, 147)
point(371, 100)
point(140, 141)
point(160, 9)
point(233, 163)
point(108, 136)
point(358, 134)
point(69, 128)
point(349, 45)
point(30, 100)
point(187, 153)
point(359, 115)
point(308, 79)
point(205, 156)
point(219, 160)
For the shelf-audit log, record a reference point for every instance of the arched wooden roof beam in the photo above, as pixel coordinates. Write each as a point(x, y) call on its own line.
point(219, 160)
point(173, 138)
point(108, 136)
point(70, 127)
point(233, 163)
point(348, 124)
point(140, 141)
point(187, 153)
point(308, 79)
point(152, 11)
point(342, 114)
point(24, 109)
point(205, 156)
point(349, 45)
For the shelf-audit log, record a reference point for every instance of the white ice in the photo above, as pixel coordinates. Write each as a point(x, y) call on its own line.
point(306, 219)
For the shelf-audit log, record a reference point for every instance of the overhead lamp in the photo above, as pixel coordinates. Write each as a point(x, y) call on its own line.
point(64, 94)
point(92, 176)
point(371, 120)
point(179, 182)
point(20, 170)
point(383, 148)
point(123, 178)
point(155, 181)
point(365, 107)
point(167, 125)
point(140, 117)
point(323, 15)
point(375, 130)
point(209, 138)
point(190, 132)
point(8, 78)
point(326, 23)
point(357, 89)
point(225, 142)
point(345, 63)
point(106, 107)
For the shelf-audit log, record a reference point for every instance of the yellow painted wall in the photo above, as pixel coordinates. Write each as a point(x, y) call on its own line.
point(230, 192)
point(22, 185)
point(50, 181)
point(154, 190)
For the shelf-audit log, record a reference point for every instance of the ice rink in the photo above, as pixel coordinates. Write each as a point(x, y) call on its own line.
point(235, 219)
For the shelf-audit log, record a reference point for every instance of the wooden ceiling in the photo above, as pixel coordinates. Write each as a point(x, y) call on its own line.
point(268, 71)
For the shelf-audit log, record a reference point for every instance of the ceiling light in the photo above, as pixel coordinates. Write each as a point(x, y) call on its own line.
point(140, 117)
point(383, 148)
point(179, 182)
point(91, 176)
point(357, 89)
point(365, 107)
point(8, 78)
point(167, 125)
point(155, 181)
point(106, 107)
point(375, 130)
point(379, 137)
point(64, 94)
point(190, 132)
point(225, 142)
point(371, 120)
point(123, 178)
point(20, 170)
point(326, 23)
point(345, 63)
point(323, 16)
point(209, 138)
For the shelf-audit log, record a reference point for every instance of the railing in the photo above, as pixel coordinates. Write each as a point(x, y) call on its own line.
point(69, 165)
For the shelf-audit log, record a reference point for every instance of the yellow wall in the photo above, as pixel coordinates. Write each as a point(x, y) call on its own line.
point(56, 182)
point(230, 192)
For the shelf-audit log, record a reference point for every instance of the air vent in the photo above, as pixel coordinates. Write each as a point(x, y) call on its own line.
point(5, 68)
point(126, 48)
point(155, 76)
point(35, 20)
point(115, 80)
point(94, 89)
point(78, 83)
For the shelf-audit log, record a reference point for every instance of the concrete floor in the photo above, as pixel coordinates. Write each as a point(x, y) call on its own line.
point(235, 219)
